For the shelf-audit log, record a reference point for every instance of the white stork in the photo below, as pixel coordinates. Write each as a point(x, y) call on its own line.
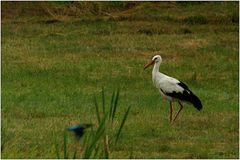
point(171, 88)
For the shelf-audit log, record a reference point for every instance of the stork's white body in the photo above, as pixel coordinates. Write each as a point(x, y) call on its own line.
point(164, 83)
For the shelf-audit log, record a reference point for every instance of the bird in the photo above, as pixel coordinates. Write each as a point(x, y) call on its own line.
point(78, 129)
point(171, 88)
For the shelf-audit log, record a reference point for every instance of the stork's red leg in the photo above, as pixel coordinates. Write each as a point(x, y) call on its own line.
point(171, 110)
point(181, 107)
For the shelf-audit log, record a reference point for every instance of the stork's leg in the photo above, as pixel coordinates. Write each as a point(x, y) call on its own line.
point(171, 110)
point(181, 107)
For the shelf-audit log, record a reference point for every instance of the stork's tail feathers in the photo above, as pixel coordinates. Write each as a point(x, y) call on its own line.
point(196, 102)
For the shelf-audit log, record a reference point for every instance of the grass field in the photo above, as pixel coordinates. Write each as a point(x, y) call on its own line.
point(56, 56)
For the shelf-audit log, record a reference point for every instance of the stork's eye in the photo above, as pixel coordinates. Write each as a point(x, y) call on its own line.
point(155, 59)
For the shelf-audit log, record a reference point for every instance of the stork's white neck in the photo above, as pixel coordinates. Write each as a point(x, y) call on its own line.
point(156, 67)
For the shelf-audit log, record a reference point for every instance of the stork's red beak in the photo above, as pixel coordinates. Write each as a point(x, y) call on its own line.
point(149, 64)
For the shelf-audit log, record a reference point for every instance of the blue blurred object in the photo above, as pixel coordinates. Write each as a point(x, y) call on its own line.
point(78, 129)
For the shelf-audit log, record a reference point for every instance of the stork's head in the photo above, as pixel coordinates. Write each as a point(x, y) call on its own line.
point(155, 59)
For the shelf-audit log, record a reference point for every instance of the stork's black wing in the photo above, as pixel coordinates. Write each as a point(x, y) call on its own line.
point(185, 95)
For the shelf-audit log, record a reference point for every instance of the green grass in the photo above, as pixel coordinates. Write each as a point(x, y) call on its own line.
point(50, 73)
